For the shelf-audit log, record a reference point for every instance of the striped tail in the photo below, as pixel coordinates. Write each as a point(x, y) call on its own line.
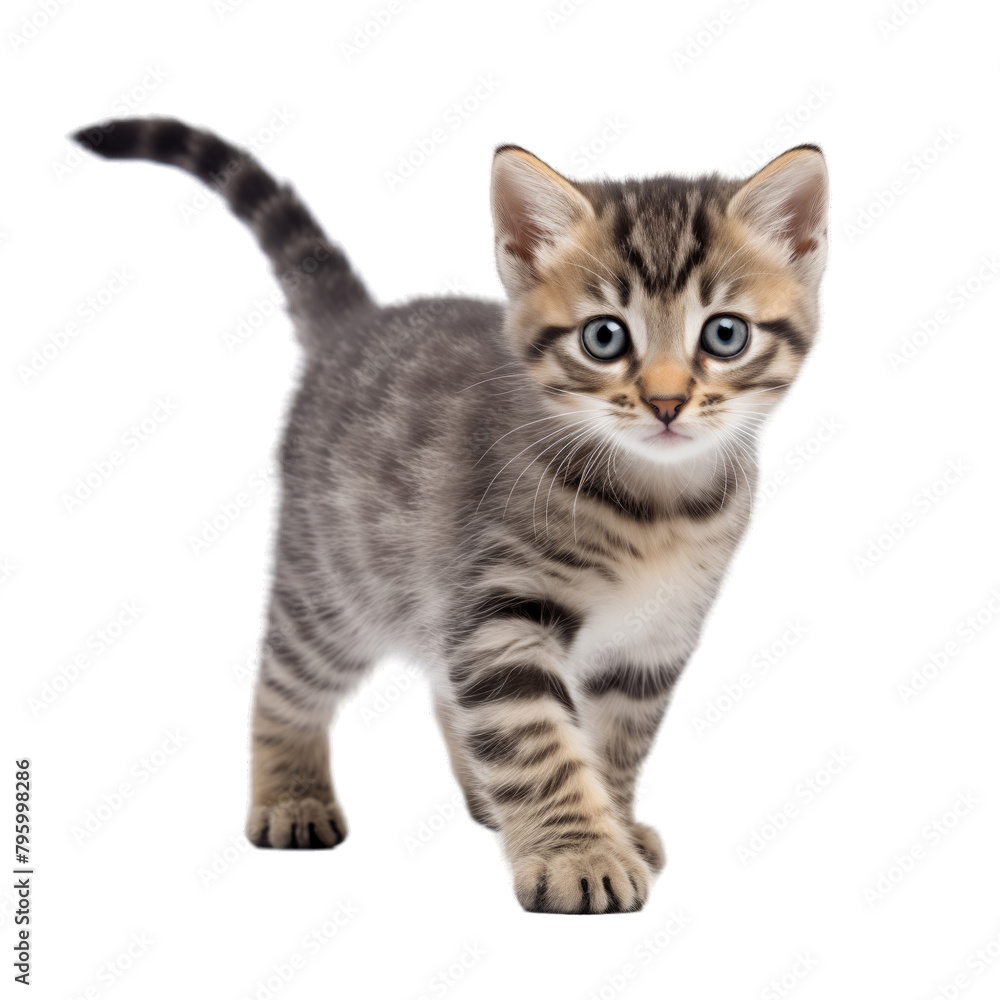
point(314, 273)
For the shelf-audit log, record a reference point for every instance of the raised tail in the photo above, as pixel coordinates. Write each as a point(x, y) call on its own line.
point(313, 272)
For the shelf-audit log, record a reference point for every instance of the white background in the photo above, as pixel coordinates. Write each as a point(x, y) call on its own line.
point(822, 908)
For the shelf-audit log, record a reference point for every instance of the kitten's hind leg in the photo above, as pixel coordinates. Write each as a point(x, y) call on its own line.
point(293, 804)
point(301, 680)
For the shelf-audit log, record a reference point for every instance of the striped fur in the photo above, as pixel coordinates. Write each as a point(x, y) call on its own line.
point(518, 518)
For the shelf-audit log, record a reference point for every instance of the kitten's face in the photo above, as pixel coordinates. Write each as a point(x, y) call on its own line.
point(668, 316)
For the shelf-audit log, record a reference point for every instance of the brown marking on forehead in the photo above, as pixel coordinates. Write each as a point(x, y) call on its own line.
point(574, 277)
point(550, 303)
point(773, 294)
point(590, 267)
point(742, 267)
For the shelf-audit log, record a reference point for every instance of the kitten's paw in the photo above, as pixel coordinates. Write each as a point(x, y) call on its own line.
point(601, 877)
point(296, 823)
point(650, 846)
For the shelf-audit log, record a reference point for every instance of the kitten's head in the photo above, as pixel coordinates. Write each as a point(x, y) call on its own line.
point(669, 314)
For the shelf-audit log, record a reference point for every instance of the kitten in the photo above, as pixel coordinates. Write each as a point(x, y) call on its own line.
point(505, 491)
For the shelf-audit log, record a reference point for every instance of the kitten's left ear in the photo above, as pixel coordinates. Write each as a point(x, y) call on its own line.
point(535, 209)
point(787, 201)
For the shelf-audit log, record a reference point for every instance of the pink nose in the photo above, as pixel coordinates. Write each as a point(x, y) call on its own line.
point(666, 409)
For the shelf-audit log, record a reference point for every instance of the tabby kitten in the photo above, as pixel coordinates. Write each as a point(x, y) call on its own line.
point(498, 489)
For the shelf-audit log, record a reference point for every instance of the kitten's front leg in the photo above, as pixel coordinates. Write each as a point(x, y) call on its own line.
point(622, 705)
point(534, 768)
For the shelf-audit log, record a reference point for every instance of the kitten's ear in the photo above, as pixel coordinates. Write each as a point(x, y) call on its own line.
point(787, 201)
point(535, 209)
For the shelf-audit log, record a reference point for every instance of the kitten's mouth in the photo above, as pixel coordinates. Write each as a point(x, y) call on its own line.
point(668, 436)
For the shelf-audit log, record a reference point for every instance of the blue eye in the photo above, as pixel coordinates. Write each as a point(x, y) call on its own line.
point(605, 338)
point(724, 336)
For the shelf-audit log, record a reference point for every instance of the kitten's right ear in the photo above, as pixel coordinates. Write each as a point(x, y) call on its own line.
point(535, 209)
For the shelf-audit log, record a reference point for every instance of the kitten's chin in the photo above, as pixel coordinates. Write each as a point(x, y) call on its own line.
point(665, 446)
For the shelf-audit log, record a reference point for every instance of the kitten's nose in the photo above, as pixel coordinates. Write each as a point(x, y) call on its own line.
point(666, 409)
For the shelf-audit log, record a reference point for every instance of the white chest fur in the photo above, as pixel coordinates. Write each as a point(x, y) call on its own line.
point(653, 616)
